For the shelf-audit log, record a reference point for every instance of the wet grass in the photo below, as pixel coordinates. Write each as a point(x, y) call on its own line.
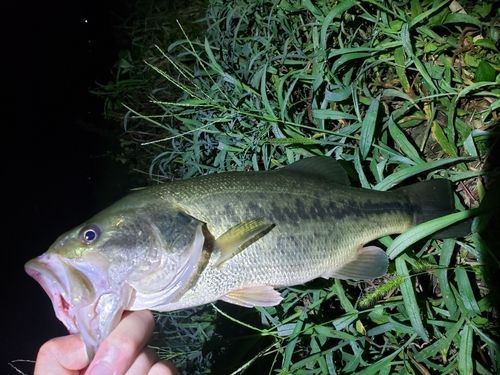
point(399, 92)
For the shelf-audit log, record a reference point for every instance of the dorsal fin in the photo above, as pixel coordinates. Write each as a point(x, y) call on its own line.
point(321, 166)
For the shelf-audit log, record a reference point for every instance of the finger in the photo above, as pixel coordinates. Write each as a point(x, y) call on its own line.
point(164, 368)
point(149, 363)
point(62, 356)
point(120, 349)
point(143, 363)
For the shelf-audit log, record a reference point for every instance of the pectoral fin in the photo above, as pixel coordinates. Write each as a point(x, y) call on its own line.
point(369, 263)
point(254, 296)
point(231, 242)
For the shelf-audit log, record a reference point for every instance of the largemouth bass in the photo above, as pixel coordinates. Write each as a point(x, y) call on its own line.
point(231, 236)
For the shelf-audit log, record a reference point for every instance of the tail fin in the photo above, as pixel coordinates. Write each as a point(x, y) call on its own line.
point(436, 200)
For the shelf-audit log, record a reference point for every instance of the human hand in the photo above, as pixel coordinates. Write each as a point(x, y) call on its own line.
point(124, 351)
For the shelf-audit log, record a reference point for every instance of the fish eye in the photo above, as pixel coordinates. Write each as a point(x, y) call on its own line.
point(89, 234)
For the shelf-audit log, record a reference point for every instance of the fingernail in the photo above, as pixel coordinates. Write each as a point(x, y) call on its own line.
point(100, 369)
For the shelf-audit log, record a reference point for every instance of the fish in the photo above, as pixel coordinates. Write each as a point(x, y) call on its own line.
point(232, 236)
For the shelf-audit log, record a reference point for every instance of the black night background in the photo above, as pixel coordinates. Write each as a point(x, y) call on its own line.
point(55, 171)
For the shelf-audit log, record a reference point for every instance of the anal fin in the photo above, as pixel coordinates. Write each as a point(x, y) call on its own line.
point(254, 296)
point(369, 263)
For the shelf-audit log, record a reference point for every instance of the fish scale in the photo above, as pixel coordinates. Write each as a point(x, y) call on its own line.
point(231, 236)
point(318, 226)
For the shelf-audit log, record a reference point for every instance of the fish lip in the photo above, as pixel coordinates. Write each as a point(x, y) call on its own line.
point(50, 275)
point(74, 297)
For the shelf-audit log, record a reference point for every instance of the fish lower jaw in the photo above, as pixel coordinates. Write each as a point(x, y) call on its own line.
point(56, 294)
point(62, 308)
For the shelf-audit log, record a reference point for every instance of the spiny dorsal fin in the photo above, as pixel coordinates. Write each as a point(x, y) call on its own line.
point(322, 166)
point(230, 243)
point(369, 263)
point(254, 296)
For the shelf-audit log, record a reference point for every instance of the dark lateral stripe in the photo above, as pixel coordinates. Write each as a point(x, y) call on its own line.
point(297, 210)
point(338, 210)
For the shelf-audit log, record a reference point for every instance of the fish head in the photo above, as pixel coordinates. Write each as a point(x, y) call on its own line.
point(130, 256)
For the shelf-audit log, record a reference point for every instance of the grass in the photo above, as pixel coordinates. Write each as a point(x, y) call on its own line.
point(398, 92)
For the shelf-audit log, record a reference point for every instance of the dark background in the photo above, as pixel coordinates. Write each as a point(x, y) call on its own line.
point(55, 171)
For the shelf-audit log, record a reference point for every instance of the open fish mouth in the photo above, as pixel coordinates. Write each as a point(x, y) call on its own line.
point(81, 298)
point(50, 271)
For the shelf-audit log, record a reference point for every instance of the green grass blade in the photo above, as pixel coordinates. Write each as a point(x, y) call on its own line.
point(492, 343)
point(290, 347)
point(385, 362)
point(410, 300)
point(400, 176)
point(457, 18)
point(447, 251)
point(425, 15)
point(402, 141)
point(466, 292)
point(328, 114)
point(465, 360)
point(368, 128)
point(423, 230)
point(442, 344)
point(337, 10)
